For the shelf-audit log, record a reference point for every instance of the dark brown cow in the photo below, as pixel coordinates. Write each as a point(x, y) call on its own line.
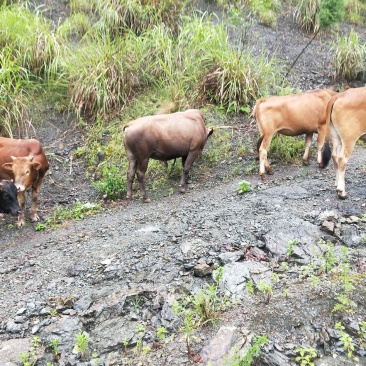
point(291, 115)
point(164, 137)
point(25, 162)
point(8, 198)
point(345, 124)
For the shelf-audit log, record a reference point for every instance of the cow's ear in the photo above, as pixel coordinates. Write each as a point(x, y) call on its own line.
point(30, 157)
point(37, 165)
point(8, 166)
point(209, 132)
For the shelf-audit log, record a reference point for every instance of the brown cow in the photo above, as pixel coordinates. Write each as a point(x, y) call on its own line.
point(25, 162)
point(291, 115)
point(163, 137)
point(345, 124)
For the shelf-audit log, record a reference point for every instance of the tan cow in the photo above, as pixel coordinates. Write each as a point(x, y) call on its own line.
point(345, 124)
point(291, 115)
point(164, 137)
point(25, 162)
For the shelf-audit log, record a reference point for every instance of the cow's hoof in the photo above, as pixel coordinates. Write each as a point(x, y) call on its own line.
point(341, 195)
point(305, 162)
point(20, 223)
point(263, 177)
point(269, 171)
point(182, 190)
point(129, 198)
point(147, 200)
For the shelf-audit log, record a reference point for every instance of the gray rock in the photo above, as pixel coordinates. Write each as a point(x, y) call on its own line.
point(230, 257)
point(214, 351)
point(11, 350)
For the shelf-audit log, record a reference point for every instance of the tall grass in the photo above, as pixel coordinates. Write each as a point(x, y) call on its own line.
point(14, 79)
point(349, 56)
point(307, 15)
point(30, 38)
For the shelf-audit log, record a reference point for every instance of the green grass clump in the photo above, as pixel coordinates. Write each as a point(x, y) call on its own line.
point(288, 149)
point(349, 56)
point(267, 10)
point(307, 14)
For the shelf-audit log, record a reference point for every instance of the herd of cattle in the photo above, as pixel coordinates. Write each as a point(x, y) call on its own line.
point(339, 117)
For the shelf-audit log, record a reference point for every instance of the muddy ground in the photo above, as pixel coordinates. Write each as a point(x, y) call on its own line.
point(125, 266)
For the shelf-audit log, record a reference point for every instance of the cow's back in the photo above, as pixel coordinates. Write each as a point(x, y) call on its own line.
point(180, 130)
point(348, 113)
point(21, 148)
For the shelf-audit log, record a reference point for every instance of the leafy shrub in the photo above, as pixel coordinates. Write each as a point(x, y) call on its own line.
point(113, 182)
point(331, 12)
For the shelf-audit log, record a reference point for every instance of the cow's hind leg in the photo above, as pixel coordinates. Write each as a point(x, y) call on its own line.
point(308, 141)
point(263, 160)
point(21, 200)
point(187, 163)
point(140, 172)
point(132, 166)
point(342, 161)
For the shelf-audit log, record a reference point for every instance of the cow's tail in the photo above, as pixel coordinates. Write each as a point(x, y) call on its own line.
point(256, 115)
point(327, 152)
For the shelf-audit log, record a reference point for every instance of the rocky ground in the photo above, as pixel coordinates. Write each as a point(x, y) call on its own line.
point(115, 275)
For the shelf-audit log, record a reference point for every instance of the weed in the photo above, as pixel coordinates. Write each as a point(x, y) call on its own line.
point(252, 355)
point(81, 344)
point(77, 212)
point(55, 349)
point(347, 340)
point(244, 187)
point(249, 287)
point(305, 356)
point(291, 247)
point(161, 333)
point(34, 353)
point(199, 309)
point(266, 290)
point(345, 304)
point(95, 359)
point(140, 329)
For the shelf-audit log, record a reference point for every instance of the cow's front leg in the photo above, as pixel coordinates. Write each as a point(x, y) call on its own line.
point(21, 200)
point(34, 214)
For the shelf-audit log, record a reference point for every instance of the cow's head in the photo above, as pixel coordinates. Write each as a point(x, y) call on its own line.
point(25, 171)
point(9, 198)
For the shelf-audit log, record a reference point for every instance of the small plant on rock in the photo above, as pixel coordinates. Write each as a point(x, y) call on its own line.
point(81, 344)
point(244, 187)
point(305, 356)
point(266, 290)
point(55, 350)
point(347, 340)
point(253, 354)
point(291, 247)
